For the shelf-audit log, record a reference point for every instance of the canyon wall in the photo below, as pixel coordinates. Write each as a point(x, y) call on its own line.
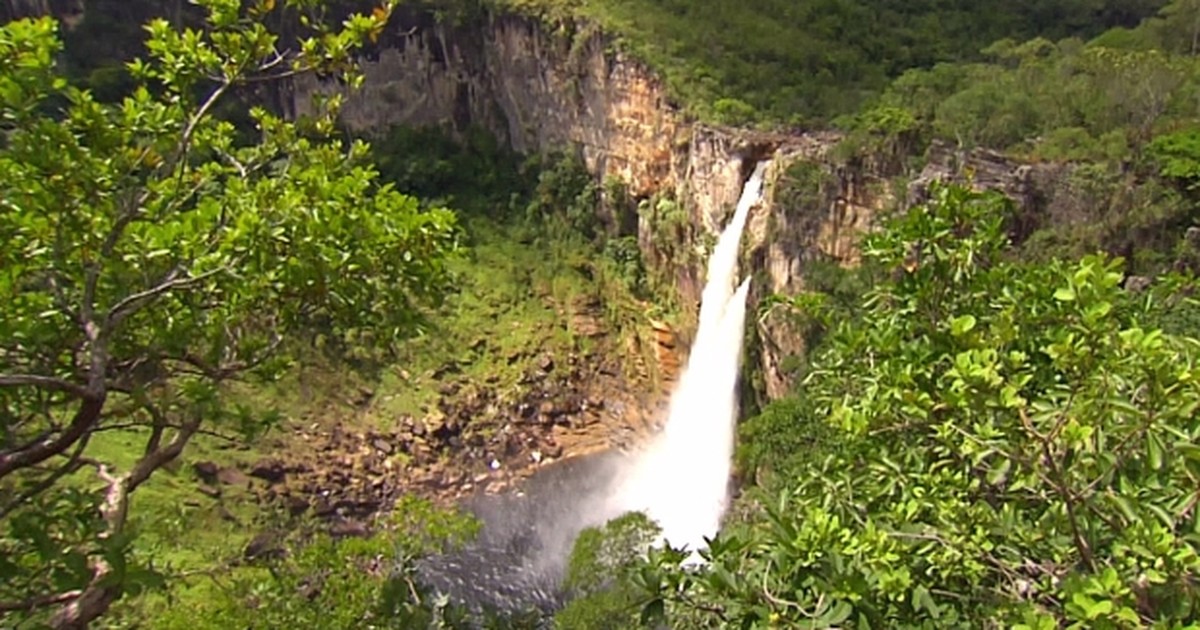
point(14, 9)
point(535, 89)
point(542, 89)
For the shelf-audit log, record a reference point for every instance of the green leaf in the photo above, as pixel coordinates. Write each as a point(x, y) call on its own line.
point(836, 614)
point(962, 325)
point(1065, 294)
point(1154, 451)
point(921, 600)
point(653, 612)
point(999, 472)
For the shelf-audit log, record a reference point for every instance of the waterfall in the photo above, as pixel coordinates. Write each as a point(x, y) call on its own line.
point(681, 480)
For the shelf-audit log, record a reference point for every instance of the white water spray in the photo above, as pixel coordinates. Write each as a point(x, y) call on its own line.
point(681, 480)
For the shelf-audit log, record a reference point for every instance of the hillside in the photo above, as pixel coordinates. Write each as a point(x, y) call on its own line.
point(774, 62)
point(800, 63)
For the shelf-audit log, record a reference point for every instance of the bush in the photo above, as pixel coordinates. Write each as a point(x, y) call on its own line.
point(625, 258)
point(732, 111)
point(1009, 444)
point(599, 572)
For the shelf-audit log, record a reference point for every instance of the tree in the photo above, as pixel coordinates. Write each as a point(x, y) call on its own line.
point(153, 253)
point(599, 575)
point(1003, 445)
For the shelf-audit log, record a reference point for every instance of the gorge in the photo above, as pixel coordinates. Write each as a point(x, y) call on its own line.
point(679, 478)
point(561, 285)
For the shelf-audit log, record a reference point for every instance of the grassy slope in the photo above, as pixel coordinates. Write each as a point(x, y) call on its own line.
point(799, 62)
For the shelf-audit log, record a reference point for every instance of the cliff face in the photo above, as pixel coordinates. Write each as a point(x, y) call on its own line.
point(69, 11)
point(535, 89)
point(540, 91)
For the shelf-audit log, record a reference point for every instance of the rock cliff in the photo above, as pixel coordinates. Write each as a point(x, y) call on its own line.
point(541, 88)
point(69, 11)
point(534, 88)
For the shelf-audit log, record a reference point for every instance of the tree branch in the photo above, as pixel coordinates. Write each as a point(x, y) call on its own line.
point(169, 283)
point(156, 432)
point(185, 140)
point(43, 382)
point(159, 457)
point(73, 463)
point(1058, 482)
point(41, 601)
point(142, 425)
point(95, 599)
point(85, 419)
point(102, 590)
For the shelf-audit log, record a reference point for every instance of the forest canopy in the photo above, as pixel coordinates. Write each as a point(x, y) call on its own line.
point(801, 63)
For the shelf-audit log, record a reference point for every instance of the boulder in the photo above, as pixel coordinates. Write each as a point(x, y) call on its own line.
point(263, 546)
point(206, 471)
point(270, 470)
point(230, 476)
point(1137, 284)
point(296, 505)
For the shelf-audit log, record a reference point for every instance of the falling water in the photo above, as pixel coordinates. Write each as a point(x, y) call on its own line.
point(681, 479)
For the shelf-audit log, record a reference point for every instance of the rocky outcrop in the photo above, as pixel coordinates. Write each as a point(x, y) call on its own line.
point(818, 220)
point(476, 438)
point(535, 89)
point(1043, 192)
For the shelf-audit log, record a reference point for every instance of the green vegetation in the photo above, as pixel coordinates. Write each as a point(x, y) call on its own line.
point(601, 575)
point(198, 263)
point(151, 258)
point(988, 442)
point(326, 582)
point(538, 253)
point(984, 434)
point(1069, 100)
point(1120, 110)
point(803, 62)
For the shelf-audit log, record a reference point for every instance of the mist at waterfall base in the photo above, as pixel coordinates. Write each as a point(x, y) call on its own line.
point(679, 479)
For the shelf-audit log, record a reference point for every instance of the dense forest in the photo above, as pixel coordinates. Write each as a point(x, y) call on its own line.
point(990, 425)
point(801, 63)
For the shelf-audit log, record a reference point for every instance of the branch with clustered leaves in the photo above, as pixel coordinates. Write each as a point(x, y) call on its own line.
point(155, 257)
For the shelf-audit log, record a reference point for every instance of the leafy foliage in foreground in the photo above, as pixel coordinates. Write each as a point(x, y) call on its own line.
point(151, 256)
point(1004, 444)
